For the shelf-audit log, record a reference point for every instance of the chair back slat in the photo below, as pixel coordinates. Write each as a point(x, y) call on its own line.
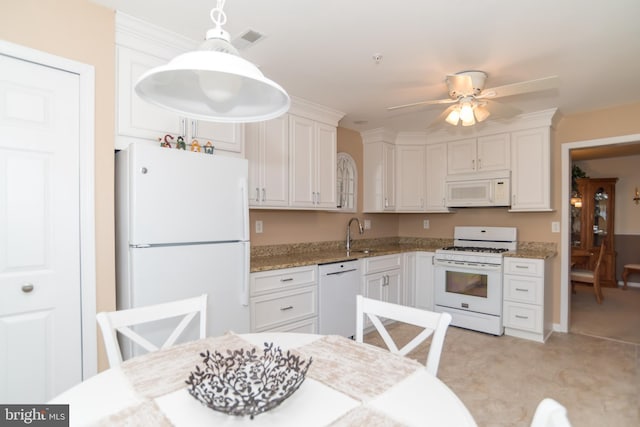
point(435, 324)
point(121, 322)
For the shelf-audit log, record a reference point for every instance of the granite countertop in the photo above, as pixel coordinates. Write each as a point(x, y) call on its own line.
point(275, 257)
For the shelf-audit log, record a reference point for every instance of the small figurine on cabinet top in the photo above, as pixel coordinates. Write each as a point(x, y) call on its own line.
point(180, 145)
point(208, 148)
point(195, 146)
point(165, 141)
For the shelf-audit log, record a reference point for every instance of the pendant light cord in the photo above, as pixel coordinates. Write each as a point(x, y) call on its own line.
point(217, 15)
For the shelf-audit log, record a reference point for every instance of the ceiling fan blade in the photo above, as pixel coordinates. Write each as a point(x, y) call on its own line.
point(501, 111)
point(441, 118)
point(460, 83)
point(522, 87)
point(415, 104)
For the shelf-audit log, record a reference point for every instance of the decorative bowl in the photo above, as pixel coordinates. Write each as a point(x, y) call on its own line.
point(246, 383)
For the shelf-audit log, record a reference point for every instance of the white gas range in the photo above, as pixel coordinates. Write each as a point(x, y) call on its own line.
point(468, 277)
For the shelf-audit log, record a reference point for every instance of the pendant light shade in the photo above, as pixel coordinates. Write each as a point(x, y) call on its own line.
point(214, 83)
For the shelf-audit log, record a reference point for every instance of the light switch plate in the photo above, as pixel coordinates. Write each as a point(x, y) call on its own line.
point(425, 224)
point(555, 227)
point(258, 226)
point(367, 224)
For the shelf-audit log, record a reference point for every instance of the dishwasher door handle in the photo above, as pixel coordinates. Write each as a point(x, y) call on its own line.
point(333, 273)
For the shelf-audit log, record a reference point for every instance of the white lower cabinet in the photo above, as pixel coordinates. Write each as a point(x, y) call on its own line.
point(527, 308)
point(382, 279)
point(418, 276)
point(284, 300)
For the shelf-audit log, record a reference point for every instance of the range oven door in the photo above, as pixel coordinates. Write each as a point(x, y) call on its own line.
point(469, 287)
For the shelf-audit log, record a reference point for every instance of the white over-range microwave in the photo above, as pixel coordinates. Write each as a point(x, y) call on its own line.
point(478, 189)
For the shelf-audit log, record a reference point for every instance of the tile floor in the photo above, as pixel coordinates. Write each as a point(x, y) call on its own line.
point(502, 379)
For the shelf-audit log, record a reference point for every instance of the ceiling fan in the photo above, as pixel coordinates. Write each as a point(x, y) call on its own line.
point(472, 102)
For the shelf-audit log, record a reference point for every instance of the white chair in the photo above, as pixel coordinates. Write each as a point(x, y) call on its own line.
point(550, 413)
point(434, 323)
point(119, 321)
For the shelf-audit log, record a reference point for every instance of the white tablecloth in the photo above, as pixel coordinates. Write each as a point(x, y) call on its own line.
point(347, 384)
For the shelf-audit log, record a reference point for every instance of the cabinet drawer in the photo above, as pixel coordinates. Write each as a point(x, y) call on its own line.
point(381, 263)
point(307, 326)
point(523, 289)
point(523, 316)
point(524, 266)
point(276, 280)
point(276, 309)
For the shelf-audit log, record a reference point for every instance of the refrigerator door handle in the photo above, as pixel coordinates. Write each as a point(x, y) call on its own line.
point(244, 196)
point(244, 295)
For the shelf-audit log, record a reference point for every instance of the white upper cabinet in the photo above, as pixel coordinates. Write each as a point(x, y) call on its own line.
point(436, 171)
point(379, 170)
point(313, 154)
point(485, 153)
point(267, 149)
point(139, 47)
point(379, 177)
point(411, 178)
point(531, 170)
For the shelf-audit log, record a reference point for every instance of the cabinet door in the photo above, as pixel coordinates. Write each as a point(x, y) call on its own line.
point(436, 168)
point(254, 153)
point(275, 163)
point(392, 290)
point(372, 286)
point(138, 119)
point(423, 283)
point(372, 177)
point(530, 170)
point(389, 182)
point(302, 161)
point(494, 152)
point(224, 136)
point(461, 156)
point(325, 171)
point(411, 178)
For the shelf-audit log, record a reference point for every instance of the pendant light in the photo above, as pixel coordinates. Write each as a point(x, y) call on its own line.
point(214, 83)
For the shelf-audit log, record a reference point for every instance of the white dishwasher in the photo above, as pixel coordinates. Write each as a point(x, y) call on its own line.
point(339, 285)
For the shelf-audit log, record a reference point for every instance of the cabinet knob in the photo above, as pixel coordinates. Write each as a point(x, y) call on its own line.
point(27, 287)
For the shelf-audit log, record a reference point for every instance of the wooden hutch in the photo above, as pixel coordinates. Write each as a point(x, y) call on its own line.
point(592, 222)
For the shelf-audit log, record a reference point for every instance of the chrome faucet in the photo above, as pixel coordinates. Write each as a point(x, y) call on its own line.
point(360, 229)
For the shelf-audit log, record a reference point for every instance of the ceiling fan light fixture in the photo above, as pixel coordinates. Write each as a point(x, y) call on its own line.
point(214, 83)
point(470, 122)
point(453, 117)
point(466, 112)
point(481, 112)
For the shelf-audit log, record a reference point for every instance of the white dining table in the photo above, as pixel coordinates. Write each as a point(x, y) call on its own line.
point(347, 384)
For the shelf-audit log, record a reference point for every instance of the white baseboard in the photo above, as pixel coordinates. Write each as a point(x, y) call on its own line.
point(629, 284)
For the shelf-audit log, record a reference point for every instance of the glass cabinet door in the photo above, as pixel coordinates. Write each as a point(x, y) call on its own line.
point(600, 203)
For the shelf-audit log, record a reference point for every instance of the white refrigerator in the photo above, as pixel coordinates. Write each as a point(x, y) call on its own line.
point(182, 229)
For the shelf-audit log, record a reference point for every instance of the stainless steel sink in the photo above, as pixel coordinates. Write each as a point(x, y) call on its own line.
point(363, 251)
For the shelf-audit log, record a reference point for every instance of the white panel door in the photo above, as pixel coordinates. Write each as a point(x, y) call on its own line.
point(40, 312)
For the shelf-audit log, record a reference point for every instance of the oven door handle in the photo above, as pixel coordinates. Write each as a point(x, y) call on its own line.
point(467, 266)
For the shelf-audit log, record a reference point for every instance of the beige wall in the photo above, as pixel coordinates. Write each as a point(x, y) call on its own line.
point(84, 32)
